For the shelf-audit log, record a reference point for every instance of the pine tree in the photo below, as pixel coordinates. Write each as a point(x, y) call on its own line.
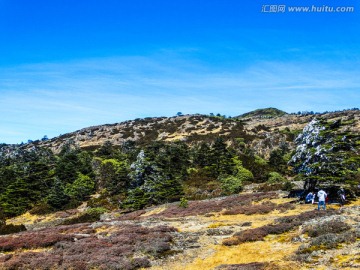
point(112, 175)
point(57, 197)
point(81, 188)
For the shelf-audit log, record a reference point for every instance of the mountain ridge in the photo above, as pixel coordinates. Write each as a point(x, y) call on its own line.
point(196, 127)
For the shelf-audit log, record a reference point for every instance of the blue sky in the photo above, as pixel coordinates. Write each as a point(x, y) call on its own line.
point(66, 64)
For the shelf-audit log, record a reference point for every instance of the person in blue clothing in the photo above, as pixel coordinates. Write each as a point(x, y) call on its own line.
point(322, 198)
point(310, 198)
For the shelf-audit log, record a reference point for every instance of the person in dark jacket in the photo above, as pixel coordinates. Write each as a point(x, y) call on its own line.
point(341, 195)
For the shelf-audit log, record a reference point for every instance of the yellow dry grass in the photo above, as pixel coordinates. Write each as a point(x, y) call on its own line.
point(177, 136)
point(28, 218)
point(107, 230)
point(276, 248)
point(259, 220)
point(248, 252)
point(268, 251)
point(354, 203)
point(25, 250)
point(155, 211)
point(341, 259)
point(218, 224)
point(277, 201)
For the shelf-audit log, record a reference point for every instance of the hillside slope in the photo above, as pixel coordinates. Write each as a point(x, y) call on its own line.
point(246, 231)
point(160, 188)
point(262, 134)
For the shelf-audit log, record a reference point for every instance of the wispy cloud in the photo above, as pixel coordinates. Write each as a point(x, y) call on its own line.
point(54, 98)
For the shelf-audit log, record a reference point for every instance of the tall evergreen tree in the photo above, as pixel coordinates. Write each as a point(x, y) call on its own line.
point(57, 197)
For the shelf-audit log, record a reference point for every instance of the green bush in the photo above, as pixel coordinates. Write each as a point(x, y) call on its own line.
point(9, 229)
point(136, 199)
point(81, 188)
point(287, 186)
point(184, 203)
point(42, 208)
point(231, 184)
point(275, 177)
point(244, 175)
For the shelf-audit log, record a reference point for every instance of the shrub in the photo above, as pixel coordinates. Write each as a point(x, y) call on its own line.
point(231, 241)
point(327, 241)
point(32, 240)
point(106, 201)
point(251, 235)
point(140, 263)
point(275, 177)
point(280, 226)
point(287, 186)
point(41, 209)
point(266, 187)
point(231, 184)
point(132, 215)
point(214, 205)
point(245, 266)
point(331, 240)
point(244, 175)
point(155, 246)
point(33, 260)
point(264, 208)
point(129, 247)
point(332, 226)
point(184, 203)
point(90, 215)
point(10, 228)
point(81, 188)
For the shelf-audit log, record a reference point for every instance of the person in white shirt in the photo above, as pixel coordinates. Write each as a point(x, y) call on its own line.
point(322, 197)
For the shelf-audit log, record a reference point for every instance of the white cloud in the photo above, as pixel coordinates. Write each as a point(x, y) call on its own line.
point(54, 98)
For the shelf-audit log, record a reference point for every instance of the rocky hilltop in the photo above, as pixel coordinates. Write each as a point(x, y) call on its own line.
point(262, 130)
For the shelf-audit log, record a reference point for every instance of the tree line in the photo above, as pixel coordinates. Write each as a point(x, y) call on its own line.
point(128, 176)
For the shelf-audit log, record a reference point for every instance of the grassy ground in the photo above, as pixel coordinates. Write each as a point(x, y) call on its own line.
point(276, 249)
point(208, 252)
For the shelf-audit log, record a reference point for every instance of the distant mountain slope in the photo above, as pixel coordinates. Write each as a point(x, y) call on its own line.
point(264, 113)
point(262, 134)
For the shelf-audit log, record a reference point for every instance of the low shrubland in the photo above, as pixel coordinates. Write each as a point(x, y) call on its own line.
point(90, 215)
point(280, 226)
point(230, 203)
point(80, 247)
point(329, 234)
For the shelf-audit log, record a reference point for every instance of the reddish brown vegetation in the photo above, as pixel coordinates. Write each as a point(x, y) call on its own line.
point(280, 226)
point(264, 208)
point(29, 240)
point(246, 266)
point(88, 251)
point(332, 226)
point(132, 216)
point(10, 228)
point(215, 205)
